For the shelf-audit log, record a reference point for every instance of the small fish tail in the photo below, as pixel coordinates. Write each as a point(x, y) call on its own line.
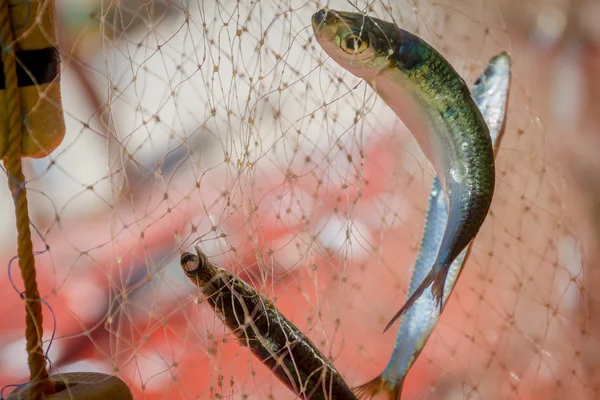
point(429, 279)
point(369, 390)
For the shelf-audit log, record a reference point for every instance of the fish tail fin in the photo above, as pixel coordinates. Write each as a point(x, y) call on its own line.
point(369, 390)
point(437, 278)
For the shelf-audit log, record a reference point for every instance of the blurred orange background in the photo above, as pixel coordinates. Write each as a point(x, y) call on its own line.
point(333, 236)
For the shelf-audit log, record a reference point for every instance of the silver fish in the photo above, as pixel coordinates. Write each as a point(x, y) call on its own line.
point(272, 338)
point(490, 92)
point(435, 104)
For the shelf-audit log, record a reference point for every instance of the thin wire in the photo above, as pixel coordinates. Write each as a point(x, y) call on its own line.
point(27, 16)
point(22, 296)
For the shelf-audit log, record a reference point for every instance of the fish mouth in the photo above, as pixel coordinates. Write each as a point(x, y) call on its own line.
point(319, 17)
point(190, 264)
point(322, 24)
point(501, 60)
point(327, 16)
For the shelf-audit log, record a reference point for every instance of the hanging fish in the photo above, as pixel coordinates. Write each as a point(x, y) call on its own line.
point(258, 325)
point(435, 104)
point(490, 92)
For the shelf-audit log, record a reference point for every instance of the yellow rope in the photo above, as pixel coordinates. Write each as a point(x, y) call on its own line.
point(37, 362)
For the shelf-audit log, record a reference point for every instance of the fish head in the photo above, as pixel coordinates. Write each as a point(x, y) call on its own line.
point(200, 271)
point(495, 75)
point(363, 45)
point(210, 278)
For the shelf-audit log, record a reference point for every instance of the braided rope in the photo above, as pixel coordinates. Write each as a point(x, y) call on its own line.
point(33, 332)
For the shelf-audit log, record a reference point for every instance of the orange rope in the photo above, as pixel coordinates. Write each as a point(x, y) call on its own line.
point(33, 332)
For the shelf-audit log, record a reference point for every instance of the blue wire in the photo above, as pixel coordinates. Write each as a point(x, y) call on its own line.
point(9, 386)
point(17, 386)
point(26, 17)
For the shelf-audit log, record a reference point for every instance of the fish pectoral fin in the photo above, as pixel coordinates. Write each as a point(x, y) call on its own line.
point(432, 277)
point(437, 289)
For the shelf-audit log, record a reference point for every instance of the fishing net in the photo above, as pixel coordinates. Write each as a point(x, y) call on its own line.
point(223, 124)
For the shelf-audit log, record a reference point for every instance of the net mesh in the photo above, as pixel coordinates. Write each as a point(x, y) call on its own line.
point(223, 124)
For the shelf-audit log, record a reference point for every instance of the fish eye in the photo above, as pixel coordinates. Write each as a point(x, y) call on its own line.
point(479, 81)
point(354, 44)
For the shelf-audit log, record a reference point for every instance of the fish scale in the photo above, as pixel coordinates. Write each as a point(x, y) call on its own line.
point(490, 92)
point(270, 336)
point(420, 86)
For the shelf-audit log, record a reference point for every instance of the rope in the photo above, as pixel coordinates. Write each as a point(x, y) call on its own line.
point(38, 373)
